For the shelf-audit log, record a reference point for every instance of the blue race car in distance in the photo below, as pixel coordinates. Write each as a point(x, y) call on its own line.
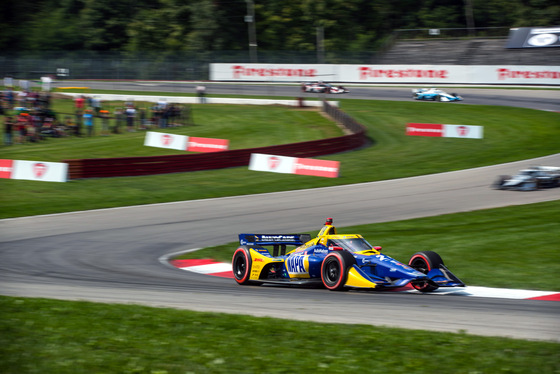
point(334, 261)
point(434, 94)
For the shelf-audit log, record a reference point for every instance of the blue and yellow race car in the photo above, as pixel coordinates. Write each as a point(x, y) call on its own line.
point(334, 261)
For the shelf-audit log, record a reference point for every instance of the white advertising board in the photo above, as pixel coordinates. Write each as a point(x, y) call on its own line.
point(439, 130)
point(164, 140)
point(185, 143)
point(272, 163)
point(420, 74)
point(294, 165)
point(463, 131)
point(40, 171)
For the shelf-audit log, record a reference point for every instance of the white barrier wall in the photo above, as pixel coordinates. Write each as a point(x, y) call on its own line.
point(421, 74)
point(196, 100)
point(34, 170)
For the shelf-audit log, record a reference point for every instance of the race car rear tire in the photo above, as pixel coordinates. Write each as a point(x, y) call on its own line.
point(334, 269)
point(241, 265)
point(424, 262)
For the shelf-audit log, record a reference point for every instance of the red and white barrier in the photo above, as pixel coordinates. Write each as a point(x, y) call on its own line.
point(445, 131)
point(185, 143)
point(294, 165)
point(34, 170)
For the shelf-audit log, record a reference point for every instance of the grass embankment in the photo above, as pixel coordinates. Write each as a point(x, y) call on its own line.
point(48, 336)
point(509, 134)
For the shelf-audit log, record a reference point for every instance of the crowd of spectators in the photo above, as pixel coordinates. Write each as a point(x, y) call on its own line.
point(29, 117)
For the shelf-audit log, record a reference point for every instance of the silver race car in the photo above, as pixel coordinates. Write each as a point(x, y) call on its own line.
point(322, 87)
point(530, 179)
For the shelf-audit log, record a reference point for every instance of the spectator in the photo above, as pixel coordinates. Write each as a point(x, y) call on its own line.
point(164, 117)
point(119, 119)
point(9, 97)
point(88, 122)
point(143, 119)
point(171, 115)
point(156, 114)
point(130, 118)
point(8, 130)
point(22, 98)
point(201, 92)
point(79, 120)
point(79, 103)
point(70, 126)
point(104, 114)
point(21, 128)
point(96, 104)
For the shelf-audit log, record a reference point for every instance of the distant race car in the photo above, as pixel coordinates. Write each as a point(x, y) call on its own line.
point(434, 94)
point(321, 87)
point(334, 261)
point(530, 179)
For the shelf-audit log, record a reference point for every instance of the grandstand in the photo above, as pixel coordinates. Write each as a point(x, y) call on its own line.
point(476, 51)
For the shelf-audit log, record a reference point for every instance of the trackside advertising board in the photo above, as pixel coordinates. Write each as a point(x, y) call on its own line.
point(34, 170)
point(421, 74)
point(445, 131)
point(185, 143)
point(534, 37)
point(294, 165)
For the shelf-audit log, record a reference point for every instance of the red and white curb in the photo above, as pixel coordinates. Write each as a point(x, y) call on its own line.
point(202, 266)
point(221, 269)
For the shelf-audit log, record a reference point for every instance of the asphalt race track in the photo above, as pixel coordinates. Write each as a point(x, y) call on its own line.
point(118, 255)
point(536, 99)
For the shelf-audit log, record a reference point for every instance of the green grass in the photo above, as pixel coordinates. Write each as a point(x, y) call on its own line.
point(494, 248)
point(512, 247)
point(510, 134)
point(244, 125)
point(47, 336)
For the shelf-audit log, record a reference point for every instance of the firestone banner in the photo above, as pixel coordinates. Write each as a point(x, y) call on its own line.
point(294, 165)
point(34, 170)
point(445, 131)
point(185, 143)
point(420, 74)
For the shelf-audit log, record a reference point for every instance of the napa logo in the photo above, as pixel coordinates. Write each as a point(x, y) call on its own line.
point(296, 264)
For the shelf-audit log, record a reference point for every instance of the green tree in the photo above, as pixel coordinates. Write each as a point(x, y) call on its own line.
point(56, 26)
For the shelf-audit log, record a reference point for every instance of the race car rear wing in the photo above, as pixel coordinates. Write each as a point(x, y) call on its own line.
point(279, 241)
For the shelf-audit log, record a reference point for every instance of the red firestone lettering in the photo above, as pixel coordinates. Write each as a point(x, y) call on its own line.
point(237, 71)
point(240, 71)
point(504, 73)
point(367, 72)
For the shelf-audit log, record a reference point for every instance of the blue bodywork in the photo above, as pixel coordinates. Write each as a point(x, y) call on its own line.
point(304, 264)
point(434, 94)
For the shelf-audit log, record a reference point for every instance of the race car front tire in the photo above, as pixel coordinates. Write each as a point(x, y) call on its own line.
point(334, 269)
point(424, 262)
point(241, 265)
